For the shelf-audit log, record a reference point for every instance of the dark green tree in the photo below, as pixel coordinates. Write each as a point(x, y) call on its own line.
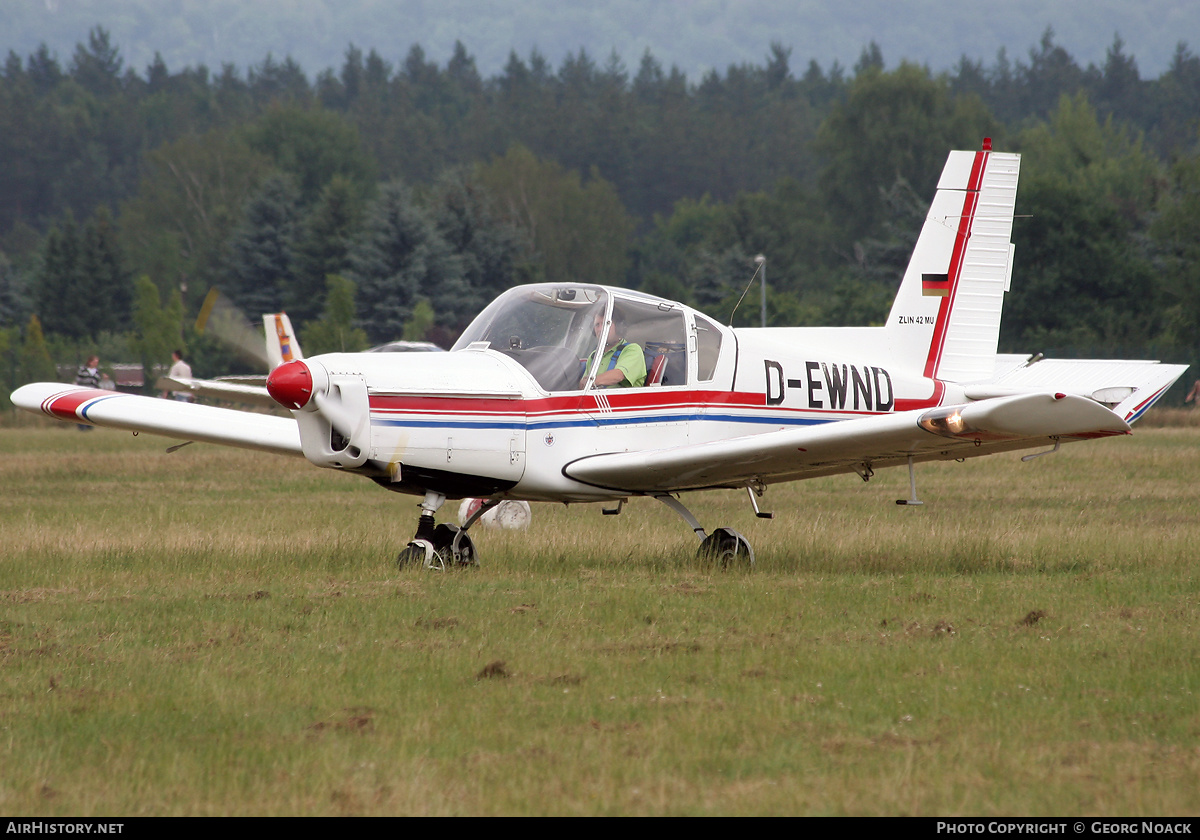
point(490, 246)
point(1051, 74)
point(191, 195)
point(1176, 104)
point(313, 146)
point(1176, 232)
point(1084, 276)
point(97, 66)
point(892, 126)
point(399, 258)
point(103, 269)
point(261, 263)
point(64, 299)
point(323, 247)
point(15, 300)
point(334, 331)
point(579, 230)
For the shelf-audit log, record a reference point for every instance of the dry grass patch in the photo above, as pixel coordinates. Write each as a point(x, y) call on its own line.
point(215, 632)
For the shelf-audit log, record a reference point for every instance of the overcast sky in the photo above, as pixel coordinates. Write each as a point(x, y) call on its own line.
point(696, 35)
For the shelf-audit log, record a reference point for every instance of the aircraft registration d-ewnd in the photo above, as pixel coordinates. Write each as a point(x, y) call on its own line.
point(525, 405)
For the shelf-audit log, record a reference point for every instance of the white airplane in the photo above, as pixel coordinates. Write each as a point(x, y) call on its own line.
point(517, 409)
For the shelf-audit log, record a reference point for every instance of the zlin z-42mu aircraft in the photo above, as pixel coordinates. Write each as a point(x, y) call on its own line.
point(519, 408)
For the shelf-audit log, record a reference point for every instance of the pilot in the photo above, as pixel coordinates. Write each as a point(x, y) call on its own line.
point(623, 365)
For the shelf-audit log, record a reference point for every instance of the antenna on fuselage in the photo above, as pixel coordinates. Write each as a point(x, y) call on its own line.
point(761, 261)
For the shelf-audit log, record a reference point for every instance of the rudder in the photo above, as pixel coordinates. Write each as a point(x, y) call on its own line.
point(945, 320)
point(282, 345)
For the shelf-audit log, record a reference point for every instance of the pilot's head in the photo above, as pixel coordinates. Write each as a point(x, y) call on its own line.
point(615, 330)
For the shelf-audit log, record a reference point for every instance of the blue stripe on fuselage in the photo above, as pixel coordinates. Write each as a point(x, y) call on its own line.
point(599, 420)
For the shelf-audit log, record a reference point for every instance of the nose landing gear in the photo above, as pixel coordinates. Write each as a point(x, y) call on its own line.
point(441, 546)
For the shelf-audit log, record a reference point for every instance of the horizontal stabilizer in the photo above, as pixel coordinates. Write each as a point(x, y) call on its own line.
point(863, 445)
point(170, 418)
point(1129, 388)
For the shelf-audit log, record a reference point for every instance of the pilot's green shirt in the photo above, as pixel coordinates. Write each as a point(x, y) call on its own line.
point(631, 362)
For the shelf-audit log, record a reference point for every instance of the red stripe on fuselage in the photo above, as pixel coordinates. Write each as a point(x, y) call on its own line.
point(939, 389)
point(617, 401)
point(946, 305)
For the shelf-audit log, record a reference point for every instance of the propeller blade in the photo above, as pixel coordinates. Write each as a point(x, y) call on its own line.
point(332, 410)
point(229, 325)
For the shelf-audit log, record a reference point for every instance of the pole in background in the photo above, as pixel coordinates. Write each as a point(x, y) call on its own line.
point(762, 266)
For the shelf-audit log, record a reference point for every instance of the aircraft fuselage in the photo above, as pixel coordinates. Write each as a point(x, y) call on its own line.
point(476, 423)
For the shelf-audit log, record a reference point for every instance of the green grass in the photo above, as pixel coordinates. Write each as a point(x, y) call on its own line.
point(217, 632)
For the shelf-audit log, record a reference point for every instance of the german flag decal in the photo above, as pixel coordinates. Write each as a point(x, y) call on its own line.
point(935, 285)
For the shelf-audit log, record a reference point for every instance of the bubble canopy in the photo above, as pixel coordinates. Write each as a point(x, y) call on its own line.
point(546, 328)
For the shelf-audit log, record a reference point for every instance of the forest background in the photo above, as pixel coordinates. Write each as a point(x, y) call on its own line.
point(378, 199)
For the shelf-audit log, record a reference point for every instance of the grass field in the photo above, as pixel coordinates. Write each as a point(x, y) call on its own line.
point(217, 632)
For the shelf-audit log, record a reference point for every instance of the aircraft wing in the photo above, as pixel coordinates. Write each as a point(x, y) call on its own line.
point(170, 418)
point(861, 445)
point(244, 390)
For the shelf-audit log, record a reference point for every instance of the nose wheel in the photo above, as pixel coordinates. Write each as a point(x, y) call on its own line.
point(441, 546)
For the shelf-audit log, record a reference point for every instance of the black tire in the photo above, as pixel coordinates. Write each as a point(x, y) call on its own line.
point(410, 555)
point(443, 544)
point(726, 548)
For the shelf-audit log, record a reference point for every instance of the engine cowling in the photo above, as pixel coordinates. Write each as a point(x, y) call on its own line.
point(332, 410)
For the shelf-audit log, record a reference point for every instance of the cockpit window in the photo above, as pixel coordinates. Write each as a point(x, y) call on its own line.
point(546, 328)
point(708, 348)
point(649, 339)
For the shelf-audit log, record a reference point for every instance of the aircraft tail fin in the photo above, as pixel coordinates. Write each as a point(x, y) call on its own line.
point(282, 345)
point(945, 320)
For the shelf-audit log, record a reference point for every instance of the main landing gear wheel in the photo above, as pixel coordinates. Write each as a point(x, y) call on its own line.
point(726, 548)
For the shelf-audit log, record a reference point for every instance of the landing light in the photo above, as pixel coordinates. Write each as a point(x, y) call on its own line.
point(947, 422)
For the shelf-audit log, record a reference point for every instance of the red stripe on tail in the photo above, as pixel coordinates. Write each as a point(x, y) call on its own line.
point(970, 203)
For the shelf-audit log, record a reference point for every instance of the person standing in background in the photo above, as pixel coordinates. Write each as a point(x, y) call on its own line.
point(179, 370)
point(88, 375)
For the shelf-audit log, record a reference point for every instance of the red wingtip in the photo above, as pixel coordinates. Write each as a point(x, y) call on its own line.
point(987, 144)
point(291, 384)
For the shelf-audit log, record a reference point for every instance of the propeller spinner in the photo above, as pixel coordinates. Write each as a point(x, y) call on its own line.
point(291, 385)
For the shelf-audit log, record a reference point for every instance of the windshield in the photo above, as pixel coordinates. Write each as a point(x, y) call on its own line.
point(546, 328)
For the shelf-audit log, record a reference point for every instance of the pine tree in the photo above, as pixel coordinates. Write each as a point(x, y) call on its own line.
point(261, 249)
point(399, 258)
point(64, 299)
point(323, 248)
point(103, 270)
